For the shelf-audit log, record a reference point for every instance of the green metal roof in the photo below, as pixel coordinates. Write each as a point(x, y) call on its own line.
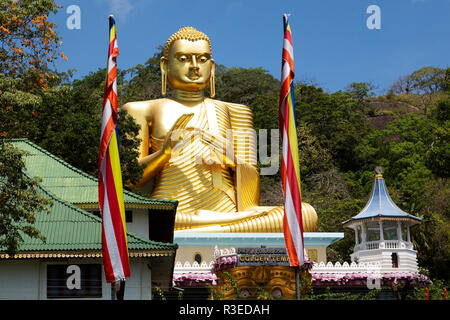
point(69, 228)
point(74, 185)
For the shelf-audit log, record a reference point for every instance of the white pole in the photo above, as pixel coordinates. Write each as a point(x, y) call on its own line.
point(381, 231)
point(363, 235)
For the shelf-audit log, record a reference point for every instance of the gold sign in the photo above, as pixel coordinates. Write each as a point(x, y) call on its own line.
point(262, 257)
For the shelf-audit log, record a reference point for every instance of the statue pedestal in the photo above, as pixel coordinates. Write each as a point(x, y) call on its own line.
point(205, 259)
point(260, 282)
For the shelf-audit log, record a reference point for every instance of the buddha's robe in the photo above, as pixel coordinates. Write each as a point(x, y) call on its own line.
point(196, 174)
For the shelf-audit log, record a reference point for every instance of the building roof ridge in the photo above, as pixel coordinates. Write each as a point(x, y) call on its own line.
point(86, 175)
point(136, 241)
point(98, 219)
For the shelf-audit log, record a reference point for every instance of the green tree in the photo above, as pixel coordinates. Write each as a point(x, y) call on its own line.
point(314, 158)
point(403, 85)
point(438, 156)
point(19, 200)
point(144, 80)
point(28, 41)
point(66, 121)
point(17, 108)
point(427, 80)
point(421, 86)
point(399, 148)
point(432, 240)
point(245, 86)
point(337, 120)
point(77, 141)
point(28, 45)
point(360, 90)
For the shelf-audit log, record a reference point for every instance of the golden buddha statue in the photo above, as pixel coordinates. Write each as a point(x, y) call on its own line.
point(181, 136)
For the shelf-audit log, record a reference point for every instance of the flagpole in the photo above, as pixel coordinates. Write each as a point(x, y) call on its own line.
point(114, 236)
point(121, 292)
point(113, 291)
point(290, 170)
point(113, 284)
point(118, 290)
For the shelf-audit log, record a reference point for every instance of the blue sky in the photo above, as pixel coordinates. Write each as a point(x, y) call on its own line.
point(332, 44)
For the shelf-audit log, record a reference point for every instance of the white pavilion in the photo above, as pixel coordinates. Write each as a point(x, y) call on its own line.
point(383, 232)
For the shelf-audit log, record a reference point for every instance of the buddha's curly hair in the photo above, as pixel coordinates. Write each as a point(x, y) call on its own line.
point(186, 33)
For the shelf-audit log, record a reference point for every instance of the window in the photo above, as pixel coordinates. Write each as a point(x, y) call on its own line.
point(359, 234)
point(198, 258)
point(74, 281)
point(97, 213)
point(390, 230)
point(373, 231)
point(312, 254)
point(394, 257)
point(128, 216)
point(404, 232)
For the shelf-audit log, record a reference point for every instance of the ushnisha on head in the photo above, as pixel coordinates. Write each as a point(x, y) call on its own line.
point(186, 33)
point(186, 63)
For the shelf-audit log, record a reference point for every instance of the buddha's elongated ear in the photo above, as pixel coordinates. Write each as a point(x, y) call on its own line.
point(163, 66)
point(212, 80)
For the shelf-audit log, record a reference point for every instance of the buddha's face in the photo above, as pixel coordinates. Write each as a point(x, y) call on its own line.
point(190, 65)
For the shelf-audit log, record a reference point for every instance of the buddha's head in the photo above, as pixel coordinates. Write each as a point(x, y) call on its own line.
point(186, 63)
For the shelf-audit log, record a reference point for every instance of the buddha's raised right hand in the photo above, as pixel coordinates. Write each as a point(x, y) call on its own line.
point(154, 162)
point(171, 138)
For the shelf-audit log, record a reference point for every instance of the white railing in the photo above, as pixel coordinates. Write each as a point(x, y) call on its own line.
point(194, 267)
point(391, 244)
point(375, 267)
point(336, 268)
point(345, 267)
point(223, 252)
point(372, 245)
point(384, 244)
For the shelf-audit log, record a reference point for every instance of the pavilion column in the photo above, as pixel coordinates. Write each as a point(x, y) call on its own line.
point(409, 235)
point(399, 231)
point(363, 235)
point(381, 231)
point(356, 235)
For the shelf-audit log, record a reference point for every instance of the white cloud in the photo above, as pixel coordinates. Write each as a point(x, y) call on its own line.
point(120, 8)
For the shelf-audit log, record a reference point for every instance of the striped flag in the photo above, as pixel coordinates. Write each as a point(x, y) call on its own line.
point(290, 170)
point(110, 192)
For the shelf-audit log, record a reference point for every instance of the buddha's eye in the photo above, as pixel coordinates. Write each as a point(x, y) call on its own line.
point(182, 58)
point(203, 59)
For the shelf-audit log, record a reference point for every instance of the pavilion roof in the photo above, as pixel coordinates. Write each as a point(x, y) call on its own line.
point(380, 205)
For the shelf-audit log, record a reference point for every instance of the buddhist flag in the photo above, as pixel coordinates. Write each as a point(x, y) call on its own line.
point(110, 192)
point(290, 170)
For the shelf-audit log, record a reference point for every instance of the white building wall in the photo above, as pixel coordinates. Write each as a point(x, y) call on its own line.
point(19, 281)
point(407, 259)
point(139, 225)
point(187, 253)
point(27, 279)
